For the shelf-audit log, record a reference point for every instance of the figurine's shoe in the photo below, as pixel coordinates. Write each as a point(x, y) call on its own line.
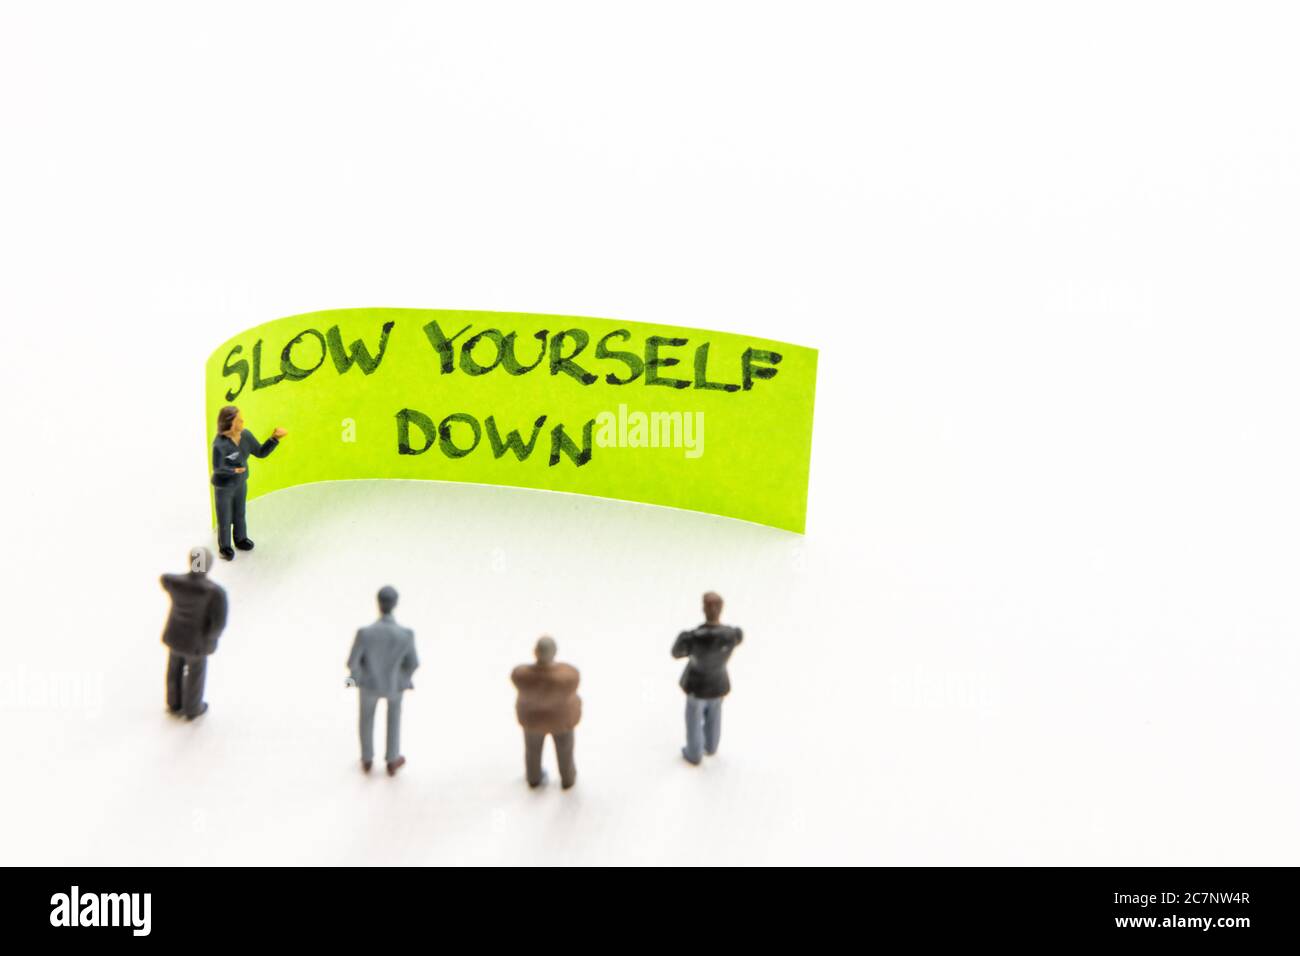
point(710, 753)
point(396, 765)
point(244, 544)
point(174, 711)
point(541, 781)
point(687, 758)
point(366, 765)
point(568, 784)
point(227, 554)
point(202, 710)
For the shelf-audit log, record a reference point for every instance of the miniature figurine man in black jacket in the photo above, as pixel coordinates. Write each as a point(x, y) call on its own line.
point(197, 618)
point(705, 678)
point(230, 451)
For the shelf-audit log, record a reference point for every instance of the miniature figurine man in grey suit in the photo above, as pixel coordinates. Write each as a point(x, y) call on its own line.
point(197, 618)
point(705, 679)
point(382, 662)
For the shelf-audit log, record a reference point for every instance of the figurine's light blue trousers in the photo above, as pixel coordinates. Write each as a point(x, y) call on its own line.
point(369, 700)
point(703, 726)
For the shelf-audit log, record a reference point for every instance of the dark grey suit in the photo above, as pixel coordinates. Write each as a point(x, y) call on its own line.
point(382, 661)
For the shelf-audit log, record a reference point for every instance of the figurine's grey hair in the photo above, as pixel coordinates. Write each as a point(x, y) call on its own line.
point(387, 599)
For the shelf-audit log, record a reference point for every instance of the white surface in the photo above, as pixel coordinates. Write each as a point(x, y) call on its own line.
point(1045, 610)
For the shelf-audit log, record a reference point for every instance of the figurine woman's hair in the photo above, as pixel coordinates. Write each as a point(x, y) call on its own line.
point(226, 418)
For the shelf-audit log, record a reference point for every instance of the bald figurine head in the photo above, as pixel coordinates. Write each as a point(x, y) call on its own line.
point(712, 607)
point(545, 650)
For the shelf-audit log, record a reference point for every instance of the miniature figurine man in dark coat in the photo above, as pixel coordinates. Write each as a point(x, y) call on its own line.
point(197, 618)
point(705, 678)
point(230, 451)
point(382, 662)
point(548, 703)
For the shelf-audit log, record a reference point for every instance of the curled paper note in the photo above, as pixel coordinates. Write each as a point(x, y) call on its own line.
point(688, 418)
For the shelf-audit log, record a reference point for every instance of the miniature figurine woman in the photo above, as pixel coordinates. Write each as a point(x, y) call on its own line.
point(230, 451)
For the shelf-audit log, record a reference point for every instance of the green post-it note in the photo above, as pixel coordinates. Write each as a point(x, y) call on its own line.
point(688, 418)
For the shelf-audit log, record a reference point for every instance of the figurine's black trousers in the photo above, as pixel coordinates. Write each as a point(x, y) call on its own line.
point(185, 683)
point(230, 513)
point(563, 756)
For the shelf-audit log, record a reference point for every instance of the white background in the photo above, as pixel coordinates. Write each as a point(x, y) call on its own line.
point(1045, 611)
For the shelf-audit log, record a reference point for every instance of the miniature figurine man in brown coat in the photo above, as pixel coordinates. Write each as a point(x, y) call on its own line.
point(548, 704)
